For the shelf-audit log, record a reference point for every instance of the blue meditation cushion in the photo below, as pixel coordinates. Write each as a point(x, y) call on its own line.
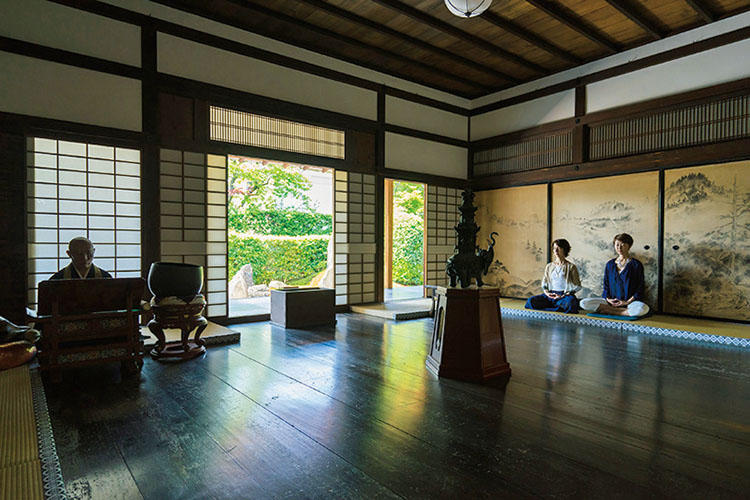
point(608, 316)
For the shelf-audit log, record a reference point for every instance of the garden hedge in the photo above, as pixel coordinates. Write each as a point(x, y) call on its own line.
point(280, 222)
point(295, 260)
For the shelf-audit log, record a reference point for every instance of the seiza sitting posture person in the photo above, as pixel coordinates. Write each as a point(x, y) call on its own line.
point(623, 284)
point(559, 283)
point(81, 253)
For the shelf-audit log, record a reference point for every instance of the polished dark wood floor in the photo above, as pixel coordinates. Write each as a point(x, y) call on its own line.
point(351, 412)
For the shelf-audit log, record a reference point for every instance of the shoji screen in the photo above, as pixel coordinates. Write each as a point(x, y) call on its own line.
point(193, 194)
point(442, 216)
point(354, 237)
point(79, 189)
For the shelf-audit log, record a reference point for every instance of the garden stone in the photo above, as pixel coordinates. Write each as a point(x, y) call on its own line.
point(241, 282)
point(327, 280)
point(276, 284)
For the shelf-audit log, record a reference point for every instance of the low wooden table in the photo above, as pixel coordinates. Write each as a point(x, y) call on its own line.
point(303, 307)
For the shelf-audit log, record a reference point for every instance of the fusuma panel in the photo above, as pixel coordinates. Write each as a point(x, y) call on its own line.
point(589, 213)
point(519, 216)
point(707, 241)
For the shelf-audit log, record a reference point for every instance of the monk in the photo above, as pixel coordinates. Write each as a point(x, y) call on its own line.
point(81, 253)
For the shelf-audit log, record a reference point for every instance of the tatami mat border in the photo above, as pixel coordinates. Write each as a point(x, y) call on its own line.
point(626, 326)
point(52, 480)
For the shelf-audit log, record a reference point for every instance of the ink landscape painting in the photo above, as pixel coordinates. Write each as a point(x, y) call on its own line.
point(589, 213)
point(519, 216)
point(707, 241)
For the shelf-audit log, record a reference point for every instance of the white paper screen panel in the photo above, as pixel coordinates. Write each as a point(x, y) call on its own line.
point(78, 189)
point(193, 218)
point(354, 234)
point(442, 217)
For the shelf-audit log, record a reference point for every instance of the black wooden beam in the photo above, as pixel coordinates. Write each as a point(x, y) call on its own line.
point(396, 56)
point(448, 28)
point(702, 10)
point(570, 19)
point(637, 14)
point(524, 34)
point(452, 57)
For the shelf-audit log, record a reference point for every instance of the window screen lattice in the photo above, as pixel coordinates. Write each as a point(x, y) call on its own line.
point(78, 189)
point(723, 119)
point(354, 234)
point(530, 154)
point(193, 218)
point(442, 217)
point(239, 127)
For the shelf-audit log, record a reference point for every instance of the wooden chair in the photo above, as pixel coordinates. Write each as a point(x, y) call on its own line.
point(89, 321)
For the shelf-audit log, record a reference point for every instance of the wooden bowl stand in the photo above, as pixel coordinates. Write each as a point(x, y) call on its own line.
point(185, 317)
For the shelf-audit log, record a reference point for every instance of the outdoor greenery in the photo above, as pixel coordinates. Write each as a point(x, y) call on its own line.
point(295, 260)
point(408, 233)
point(273, 224)
point(280, 222)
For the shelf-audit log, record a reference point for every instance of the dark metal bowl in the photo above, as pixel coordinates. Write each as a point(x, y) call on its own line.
point(173, 279)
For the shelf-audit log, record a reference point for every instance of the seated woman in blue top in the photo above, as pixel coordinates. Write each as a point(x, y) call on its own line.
point(559, 283)
point(623, 284)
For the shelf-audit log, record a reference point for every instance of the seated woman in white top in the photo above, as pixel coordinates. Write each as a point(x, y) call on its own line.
point(624, 284)
point(559, 283)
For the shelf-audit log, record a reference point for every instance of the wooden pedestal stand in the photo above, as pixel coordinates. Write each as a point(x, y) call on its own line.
point(186, 317)
point(467, 340)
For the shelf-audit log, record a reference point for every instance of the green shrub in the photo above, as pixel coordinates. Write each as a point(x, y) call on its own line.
point(279, 222)
point(295, 260)
point(408, 240)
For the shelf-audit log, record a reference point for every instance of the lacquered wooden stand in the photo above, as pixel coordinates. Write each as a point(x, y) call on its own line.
point(467, 339)
point(186, 317)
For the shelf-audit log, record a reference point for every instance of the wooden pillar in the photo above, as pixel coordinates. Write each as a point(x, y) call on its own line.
point(388, 235)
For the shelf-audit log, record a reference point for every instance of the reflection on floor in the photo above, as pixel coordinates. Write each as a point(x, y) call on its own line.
point(403, 292)
point(351, 412)
point(249, 307)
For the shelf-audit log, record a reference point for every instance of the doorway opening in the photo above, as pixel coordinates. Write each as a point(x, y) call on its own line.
point(280, 225)
point(404, 240)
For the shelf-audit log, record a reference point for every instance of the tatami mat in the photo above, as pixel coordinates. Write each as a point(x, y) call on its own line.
point(213, 334)
point(397, 310)
point(724, 332)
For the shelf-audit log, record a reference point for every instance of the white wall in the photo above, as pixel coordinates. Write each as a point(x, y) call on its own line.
point(202, 24)
point(426, 118)
point(71, 29)
point(51, 90)
point(196, 61)
point(722, 64)
point(523, 115)
point(427, 157)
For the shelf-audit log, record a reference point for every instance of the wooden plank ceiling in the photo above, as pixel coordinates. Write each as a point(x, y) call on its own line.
point(514, 41)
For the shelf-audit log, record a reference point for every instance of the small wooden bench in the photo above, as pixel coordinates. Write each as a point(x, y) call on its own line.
point(89, 321)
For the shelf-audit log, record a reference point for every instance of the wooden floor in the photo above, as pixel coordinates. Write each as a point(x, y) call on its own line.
point(353, 413)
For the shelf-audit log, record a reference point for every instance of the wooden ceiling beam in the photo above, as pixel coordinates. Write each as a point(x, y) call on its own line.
point(438, 71)
point(448, 28)
point(570, 19)
point(636, 14)
point(345, 14)
point(524, 34)
point(702, 10)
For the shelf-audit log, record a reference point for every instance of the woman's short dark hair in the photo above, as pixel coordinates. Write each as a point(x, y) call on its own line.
point(623, 238)
point(563, 244)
